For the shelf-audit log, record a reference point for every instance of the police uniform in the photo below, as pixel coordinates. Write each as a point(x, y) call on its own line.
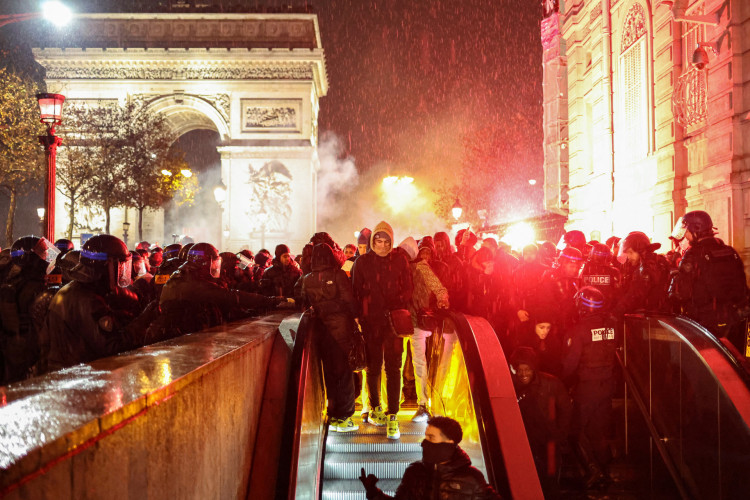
point(590, 356)
point(710, 286)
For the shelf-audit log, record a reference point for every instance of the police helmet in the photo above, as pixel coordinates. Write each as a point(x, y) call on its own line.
point(22, 251)
point(589, 300)
point(182, 255)
point(33, 252)
point(105, 258)
point(205, 257)
point(575, 238)
point(171, 251)
point(64, 245)
point(698, 222)
point(143, 245)
point(570, 255)
point(600, 254)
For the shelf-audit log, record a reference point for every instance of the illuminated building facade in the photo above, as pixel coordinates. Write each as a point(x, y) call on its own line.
point(255, 79)
point(647, 115)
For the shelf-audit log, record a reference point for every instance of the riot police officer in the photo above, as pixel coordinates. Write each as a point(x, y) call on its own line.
point(590, 359)
point(559, 287)
point(193, 300)
point(599, 272)
point(92, 316)
point(30, 257)
point(709, 285)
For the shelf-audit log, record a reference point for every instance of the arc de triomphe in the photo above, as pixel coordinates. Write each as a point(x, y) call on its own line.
point(256, 79)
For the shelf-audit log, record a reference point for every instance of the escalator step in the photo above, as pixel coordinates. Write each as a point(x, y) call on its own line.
point(405, 427)
point(351, 489)
point(343, 443)
point(348, 465)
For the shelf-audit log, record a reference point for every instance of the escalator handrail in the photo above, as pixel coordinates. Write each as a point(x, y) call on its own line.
point(726, 369)
point(291, 432)
point(508, 459)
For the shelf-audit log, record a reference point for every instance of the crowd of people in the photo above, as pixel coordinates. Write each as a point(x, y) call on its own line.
point(556, 309)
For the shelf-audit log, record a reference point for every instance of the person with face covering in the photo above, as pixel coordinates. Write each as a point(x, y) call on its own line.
point(444, 472)
point(279, 279)
point(382, 282)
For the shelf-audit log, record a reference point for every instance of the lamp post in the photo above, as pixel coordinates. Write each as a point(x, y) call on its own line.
point(457, 209)
point(50, 110)
point(40, 214)
point(125, 227)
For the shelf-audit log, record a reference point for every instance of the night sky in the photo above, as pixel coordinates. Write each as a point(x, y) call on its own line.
point(410, 80)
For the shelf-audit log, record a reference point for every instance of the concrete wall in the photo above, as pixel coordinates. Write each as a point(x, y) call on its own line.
point(191, 437)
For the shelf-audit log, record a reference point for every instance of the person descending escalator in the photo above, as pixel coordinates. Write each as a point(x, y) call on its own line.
point(546, 411)
point(382, 283)
point(328, 290)
point(445, 471)
point(590, 362)
point(710, 285)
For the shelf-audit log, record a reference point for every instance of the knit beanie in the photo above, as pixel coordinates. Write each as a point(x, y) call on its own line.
point(524, 356)
point(281, 250)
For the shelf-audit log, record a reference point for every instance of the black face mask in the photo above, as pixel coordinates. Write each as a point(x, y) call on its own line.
point(437, 453)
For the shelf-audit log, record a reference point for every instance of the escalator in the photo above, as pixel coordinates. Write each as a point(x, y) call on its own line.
point(469, 381)
point(694, 396)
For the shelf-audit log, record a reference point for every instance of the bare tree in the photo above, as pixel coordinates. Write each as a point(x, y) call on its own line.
point(21, 155)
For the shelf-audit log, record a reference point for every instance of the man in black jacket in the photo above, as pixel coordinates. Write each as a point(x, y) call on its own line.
point(279, 279)
point(382, 283)
point(328, 290)
point(444, 466)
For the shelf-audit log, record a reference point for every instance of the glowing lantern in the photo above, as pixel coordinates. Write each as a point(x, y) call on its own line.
point(457, 210)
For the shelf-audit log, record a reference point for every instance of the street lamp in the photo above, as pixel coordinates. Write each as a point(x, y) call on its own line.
point(125, 227)
point(40, 214)
point(457, 210)
point(54, 12)
point(50, 110)
point(220, 194)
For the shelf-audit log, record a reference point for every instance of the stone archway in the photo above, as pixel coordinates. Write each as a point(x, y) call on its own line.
point(256, 79)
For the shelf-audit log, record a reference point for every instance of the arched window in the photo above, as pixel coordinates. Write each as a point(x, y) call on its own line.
point(634, 87)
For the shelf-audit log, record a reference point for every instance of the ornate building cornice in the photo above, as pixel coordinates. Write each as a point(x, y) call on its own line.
point(185, 64)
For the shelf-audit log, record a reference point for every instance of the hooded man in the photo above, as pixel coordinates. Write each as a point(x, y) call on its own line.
point(363, 241)
point(445, 470)
point(329, 291)
point(382, 282)
point(546, 411)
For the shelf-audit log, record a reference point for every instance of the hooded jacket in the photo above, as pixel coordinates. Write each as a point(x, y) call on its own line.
point(381, 284)
point(327, 288)
point(456, 479)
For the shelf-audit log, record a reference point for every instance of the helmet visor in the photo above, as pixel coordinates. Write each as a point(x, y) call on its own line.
point(680, 228)
point(243, 261)
point(622, 255)
point(124, 268)
point(216, 267)
point(46, 251)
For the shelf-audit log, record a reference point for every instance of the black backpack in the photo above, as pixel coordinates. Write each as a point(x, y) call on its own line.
point(722, 271)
